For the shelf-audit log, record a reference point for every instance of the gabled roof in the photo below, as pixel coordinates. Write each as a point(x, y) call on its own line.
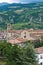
point(18, 40)
point(19, 31)
point(39, 50)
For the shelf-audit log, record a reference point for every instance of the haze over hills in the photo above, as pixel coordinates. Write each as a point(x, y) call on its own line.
point(22, 16)
point(4, 3)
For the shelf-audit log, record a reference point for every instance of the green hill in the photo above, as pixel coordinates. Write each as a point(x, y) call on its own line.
point(22, 16)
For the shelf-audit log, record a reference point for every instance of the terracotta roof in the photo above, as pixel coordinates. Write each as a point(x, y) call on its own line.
point(18, 40)
point(13, 41)
point(39, 50)
point(19, 31)
point(29, 30)
point(21, 39)
point(14, 31)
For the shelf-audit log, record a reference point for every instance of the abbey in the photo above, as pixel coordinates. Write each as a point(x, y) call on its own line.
point(19, 36)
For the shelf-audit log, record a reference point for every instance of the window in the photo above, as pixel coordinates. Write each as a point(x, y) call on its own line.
point(41, 57)
point(24, 34)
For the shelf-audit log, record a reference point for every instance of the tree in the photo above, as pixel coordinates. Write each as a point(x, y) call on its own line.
point(4, 49)
point(29, 53)
point(16, 55)
point(38, 43)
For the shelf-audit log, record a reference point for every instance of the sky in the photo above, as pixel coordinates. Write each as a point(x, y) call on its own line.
point(20, 1)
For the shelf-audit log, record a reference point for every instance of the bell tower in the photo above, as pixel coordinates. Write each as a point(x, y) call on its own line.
point(8, 26)
point(8, 29)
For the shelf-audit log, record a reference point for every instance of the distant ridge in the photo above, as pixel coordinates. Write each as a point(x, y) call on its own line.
point(4, 3)
point(22, 16)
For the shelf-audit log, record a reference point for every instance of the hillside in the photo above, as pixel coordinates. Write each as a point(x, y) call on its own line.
point(22, 16)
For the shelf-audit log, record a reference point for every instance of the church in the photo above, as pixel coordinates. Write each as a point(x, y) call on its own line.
point(19, 36)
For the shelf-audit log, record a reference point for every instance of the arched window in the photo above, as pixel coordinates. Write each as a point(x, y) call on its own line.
point(24, 34)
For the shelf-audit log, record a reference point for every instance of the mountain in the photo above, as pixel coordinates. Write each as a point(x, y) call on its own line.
point(4, 3)
point(22, 16)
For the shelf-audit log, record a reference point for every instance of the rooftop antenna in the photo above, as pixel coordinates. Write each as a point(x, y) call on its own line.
point(31, 18)
point(40, 19)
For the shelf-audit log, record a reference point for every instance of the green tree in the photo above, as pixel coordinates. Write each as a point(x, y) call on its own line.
point(16, 55)
point(29, 53)
point(38, 43)
point(5, 49)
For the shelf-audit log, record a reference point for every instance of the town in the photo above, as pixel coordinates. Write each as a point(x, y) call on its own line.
point(19, 36)
point(21, 32)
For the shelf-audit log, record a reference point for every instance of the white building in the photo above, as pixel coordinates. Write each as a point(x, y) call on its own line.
point(39, 54)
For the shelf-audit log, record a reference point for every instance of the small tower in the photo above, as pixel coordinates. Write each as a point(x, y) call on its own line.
point(8, 26)
point(8, 29)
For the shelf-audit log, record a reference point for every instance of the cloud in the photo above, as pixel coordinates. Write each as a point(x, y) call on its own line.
point(10, 1)
point(15, 1)
point(21, 1)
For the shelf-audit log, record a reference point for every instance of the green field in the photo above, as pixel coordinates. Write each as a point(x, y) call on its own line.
point(20, 15)
point(27, 26)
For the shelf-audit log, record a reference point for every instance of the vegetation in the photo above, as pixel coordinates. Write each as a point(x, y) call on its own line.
point(38, 43)
point(26, 14)
point(16, 55)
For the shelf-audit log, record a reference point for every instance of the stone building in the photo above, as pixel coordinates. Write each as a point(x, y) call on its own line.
point(19, 36)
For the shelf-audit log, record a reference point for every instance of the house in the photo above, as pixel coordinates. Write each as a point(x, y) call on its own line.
point(39, 54)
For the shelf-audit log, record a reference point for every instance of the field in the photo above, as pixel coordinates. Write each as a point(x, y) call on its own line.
point(19, 15)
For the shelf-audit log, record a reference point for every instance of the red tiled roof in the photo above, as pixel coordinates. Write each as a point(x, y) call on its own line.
point(19, 31)
point(14, 41)
point(21, 39)
point(14, 31)
point(39, 50)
